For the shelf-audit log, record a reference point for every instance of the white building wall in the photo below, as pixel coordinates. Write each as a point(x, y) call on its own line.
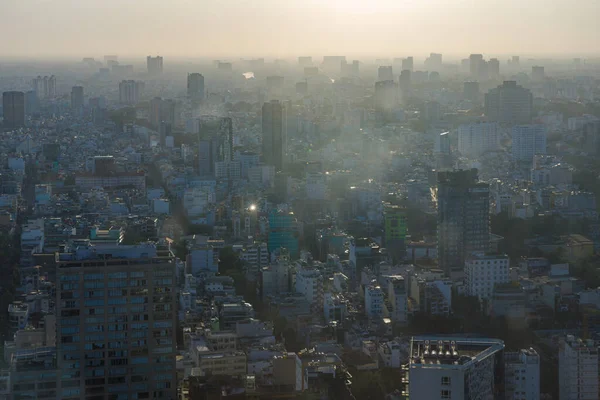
point(483, 273)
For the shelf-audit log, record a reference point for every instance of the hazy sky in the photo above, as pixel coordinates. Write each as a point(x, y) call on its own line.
point(295, 27)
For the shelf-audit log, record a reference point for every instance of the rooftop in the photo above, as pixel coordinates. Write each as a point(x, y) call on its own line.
point(451, 352)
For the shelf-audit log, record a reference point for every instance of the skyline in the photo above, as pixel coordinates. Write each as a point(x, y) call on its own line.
point(65, 28)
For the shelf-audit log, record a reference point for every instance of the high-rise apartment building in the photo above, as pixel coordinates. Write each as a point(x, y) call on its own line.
point(155, 65)
point(434, 62)
point(130, 92)
point(463, 205)
point(476, 138)
point(32, 103)
point(385, 73)
point(45, 87)
point(274, 139)
point(522, 375)
point(577, 369)
point(528, 141)
point(116, 322)
point(455, 368)
point(215, 144)
point(13, 105)
point(156, 111)
point(386, 95)
point(195, 86)
point(493, 68)
point(509, 103)
point(77, 99)
point(408, 64)
point(394, 218)
point(475, 61)
point(404, 82)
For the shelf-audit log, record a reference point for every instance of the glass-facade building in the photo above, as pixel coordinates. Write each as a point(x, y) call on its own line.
point(116, 317)
point(283, 232)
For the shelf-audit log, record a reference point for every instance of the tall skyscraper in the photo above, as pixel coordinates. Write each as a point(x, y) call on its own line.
point(116, 322)
point(385, 73)
point(475, 61)
point(195, 86)
point(408, 63)
point(274, 139)
point(577, 369)
point(528, 141)
point(456, 368)
point(168, 112)
point(226, 133)
point(404, 82)
point(494, 68)
point(164, 130)
point(77, 100)
point(156, 111)
point(395, 230)
point(13, 104)
point(509, 103)
point(51, 93)
point(215, 144)
point(32, 103)
point(155, 65)
point(463, 205)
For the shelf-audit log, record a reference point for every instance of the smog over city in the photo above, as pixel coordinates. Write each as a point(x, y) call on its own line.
point(299, 199)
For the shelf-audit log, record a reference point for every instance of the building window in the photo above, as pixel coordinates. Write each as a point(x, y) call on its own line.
point(446, 394)
point(446, 381)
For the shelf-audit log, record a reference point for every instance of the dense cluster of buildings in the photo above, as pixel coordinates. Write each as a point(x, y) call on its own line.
point(266, 230)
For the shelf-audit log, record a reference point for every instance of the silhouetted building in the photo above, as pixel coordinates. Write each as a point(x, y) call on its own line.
point(463, 206)
point(537, 74)
point(77, 98)
point(302, 87)
point(274, 134)
point(215, 144)
point(13, 106)
point(408, 64)
point(475, 61)
point(471, 91)
point(165, 129)
point(494, 68)
point(195, 86)
point(385, 73)
point(155, 111)
point(32, 103)
point(154, 65)
point(509, 103)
